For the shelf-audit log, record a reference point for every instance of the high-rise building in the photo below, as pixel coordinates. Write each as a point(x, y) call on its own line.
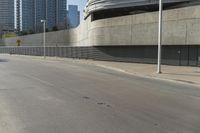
point(6, 15)
point(39, 14)
point(61, 19)
point(24, 15)
point(73, 16)
point(31, 12)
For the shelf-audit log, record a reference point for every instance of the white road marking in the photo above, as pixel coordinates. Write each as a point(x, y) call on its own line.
point(39, 80)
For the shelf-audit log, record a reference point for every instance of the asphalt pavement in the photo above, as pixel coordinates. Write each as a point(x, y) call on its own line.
point(49, 96)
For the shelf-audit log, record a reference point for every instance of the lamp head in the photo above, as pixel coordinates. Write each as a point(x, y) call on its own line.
point(43, 21)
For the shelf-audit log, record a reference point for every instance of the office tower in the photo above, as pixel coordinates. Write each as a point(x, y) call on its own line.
point(61, 20)
point(24, 15)
point(6, 15)
point(39, 14)
point(73, 16)
point(56, 13)
point(31, 12)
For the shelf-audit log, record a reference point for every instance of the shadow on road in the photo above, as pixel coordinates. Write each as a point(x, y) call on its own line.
point(3, 60)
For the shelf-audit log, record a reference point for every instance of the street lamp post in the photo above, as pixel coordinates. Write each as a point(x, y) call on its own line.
point(160, 37)
point(44, 37)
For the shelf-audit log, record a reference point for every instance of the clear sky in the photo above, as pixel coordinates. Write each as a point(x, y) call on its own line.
point(81, 4)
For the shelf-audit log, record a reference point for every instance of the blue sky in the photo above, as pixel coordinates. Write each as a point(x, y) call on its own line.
point(80, 3)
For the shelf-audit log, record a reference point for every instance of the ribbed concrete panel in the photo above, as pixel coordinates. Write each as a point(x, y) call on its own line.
point(172, 55)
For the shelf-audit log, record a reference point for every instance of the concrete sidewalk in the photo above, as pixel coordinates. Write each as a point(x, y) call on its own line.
point(176, 73)
point(181, 74)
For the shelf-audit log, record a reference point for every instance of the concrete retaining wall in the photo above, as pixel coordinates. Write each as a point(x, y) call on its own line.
point(181, 27)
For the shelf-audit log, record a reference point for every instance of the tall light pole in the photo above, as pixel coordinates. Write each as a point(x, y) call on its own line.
point(44, 37)
point(160, 37)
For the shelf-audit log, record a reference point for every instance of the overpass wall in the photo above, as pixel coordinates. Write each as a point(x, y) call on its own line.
point(180, 27)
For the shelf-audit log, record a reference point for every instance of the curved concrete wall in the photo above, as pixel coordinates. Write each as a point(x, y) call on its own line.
point(98, 5)
point(181, 27)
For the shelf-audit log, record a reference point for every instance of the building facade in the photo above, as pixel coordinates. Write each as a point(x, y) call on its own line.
point(6, 15)
point(24, 15)
point(101, 9)
point(73, 16)
point(39, 14)
point(30, 13)
point(61, 15)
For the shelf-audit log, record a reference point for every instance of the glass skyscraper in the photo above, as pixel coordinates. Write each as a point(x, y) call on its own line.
point(6, 15)
point(24, 15)
point(73, 16)
point(39, 14)
point(31, 13)
point(61, 13)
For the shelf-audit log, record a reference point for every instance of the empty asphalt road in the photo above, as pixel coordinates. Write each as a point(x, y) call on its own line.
point(49, 96)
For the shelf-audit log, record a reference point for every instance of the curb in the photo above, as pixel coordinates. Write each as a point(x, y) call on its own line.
point(149, 76)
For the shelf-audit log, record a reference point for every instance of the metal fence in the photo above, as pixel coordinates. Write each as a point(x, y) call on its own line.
point(171, 55)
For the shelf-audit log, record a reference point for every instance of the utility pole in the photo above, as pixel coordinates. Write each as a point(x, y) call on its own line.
point(44, 38)
point(159, 71)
